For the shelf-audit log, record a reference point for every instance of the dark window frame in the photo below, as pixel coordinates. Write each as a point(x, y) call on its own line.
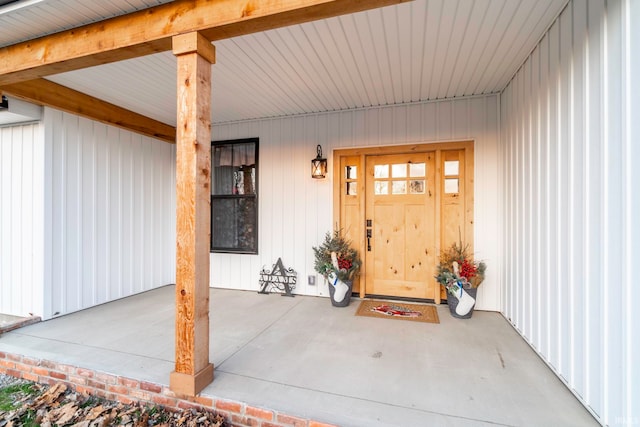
point(253, 250)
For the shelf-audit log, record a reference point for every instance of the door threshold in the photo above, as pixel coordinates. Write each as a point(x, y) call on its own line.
point(405, 299)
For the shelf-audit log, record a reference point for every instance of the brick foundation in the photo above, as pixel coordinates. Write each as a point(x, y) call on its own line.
point(129, 390)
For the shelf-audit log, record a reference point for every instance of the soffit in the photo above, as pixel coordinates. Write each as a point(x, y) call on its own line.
point(412, 52)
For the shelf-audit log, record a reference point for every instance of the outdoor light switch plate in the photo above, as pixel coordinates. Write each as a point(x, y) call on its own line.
point(312, 280)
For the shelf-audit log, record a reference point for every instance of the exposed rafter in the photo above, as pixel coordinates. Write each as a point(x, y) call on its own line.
point(150, 31)
point(44, 92)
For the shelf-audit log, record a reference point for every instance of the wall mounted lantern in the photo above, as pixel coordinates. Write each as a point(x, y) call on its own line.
point(319, 164)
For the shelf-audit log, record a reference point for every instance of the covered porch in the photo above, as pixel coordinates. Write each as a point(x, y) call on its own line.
point(296, 361)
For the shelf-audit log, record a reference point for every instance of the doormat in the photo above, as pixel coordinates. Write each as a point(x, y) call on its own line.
point(398, 310)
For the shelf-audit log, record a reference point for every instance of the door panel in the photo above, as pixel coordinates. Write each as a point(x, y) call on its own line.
point(400, 202)
point(351, 208)
point(454, 203)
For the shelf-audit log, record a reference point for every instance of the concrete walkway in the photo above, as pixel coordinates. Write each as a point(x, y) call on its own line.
point(306, 358)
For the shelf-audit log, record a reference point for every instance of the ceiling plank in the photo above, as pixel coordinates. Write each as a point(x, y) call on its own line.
point(50, 94)
point(150, 31)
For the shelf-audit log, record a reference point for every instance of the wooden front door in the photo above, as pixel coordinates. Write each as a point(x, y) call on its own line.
point(400, 206)
point(400, 225)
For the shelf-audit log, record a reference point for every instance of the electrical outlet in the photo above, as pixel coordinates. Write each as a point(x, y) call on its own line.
point(311, 280)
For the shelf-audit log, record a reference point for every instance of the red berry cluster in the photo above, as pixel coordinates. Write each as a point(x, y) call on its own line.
point(344, 264)
point(468, 269)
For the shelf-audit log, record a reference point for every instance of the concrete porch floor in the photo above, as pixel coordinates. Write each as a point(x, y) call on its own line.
point(306, 358)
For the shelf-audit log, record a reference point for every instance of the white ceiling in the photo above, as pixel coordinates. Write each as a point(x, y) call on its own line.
point(417, 51)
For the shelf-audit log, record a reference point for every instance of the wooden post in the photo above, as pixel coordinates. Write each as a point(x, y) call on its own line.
point(193, 371)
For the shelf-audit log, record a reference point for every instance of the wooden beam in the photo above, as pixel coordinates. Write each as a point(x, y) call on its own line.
point(193, 371)
point(150, 31)
point(50, 94)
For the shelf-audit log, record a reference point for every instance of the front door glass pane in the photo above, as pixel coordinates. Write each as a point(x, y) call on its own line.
point(399, 187)
point(351, 172)
point(451, 186)
point(452, 168)
point(399, 171)
point(381, 171)
point(416, 186)
point(417, 170)
point(381, 187)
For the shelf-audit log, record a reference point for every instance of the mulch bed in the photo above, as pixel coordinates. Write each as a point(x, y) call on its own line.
point(33, 404)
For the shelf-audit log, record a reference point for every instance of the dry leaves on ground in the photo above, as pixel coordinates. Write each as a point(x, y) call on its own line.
point(39, 405)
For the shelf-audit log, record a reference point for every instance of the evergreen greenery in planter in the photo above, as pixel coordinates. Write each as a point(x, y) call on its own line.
point(461, 275)
point(339, 263)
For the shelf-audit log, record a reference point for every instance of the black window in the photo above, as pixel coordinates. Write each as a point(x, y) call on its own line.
point(234, 196)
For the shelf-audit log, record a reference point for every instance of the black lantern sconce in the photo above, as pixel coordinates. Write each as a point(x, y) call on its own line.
point(318, 165)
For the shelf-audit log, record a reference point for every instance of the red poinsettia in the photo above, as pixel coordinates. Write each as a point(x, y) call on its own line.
point(344, 264)
point(468, 269)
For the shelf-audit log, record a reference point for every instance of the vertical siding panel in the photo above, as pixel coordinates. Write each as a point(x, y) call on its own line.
point(520, 202)
point(633, 196)
point(17, 220)
point(385, 129)
point(58, 240)
point(147, 215)
point(399, 127)
point(444, 120)
point(526, 202)
point(429, 121)
point(140, 192)
point(372, 128)
point(460, 119)
point(103, 230)
point(39, 217)
point(508, 105)
point(127, 237)
point(595, 209)
point(72, 293)
point(86, 200)
point(614, 214)
point(115, 214)
point(578, 205)
point(26, 210)
point(504, 201)
point(553, 199)
point(160, 198)
point(564, 168)
point(534, 216)
point(516, 279)
point(48, 217)
point(302, 155)
point(413, 123)
point(277, 190)
point(545, 184)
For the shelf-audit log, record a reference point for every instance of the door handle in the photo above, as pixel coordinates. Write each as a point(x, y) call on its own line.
point(368, 240)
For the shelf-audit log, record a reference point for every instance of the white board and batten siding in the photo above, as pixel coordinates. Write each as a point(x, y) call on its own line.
point(295, 210)
point(21, 219)
point(570, 150)
point(109, 213)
